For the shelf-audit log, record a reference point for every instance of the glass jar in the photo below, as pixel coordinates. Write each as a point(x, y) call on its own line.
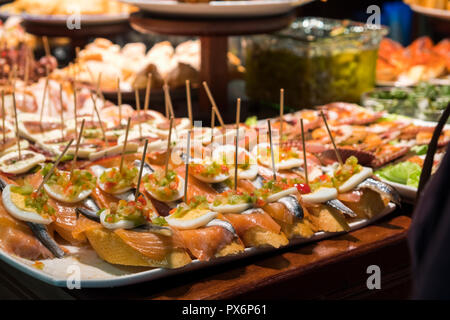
point(315, 60)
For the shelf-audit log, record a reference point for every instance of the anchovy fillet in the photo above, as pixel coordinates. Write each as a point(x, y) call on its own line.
point(381, 187)
point(90, 214)
point(291, 203)
point(220, 187)
point(224, 224)
point(3, 184)
point(258, 182)
point(147, 169)
point(40, 231)
point(253, 210)
point(339, 206)
point(91, 204)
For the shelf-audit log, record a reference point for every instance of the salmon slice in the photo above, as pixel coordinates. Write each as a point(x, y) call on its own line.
point(65, 215)
point(205, 243)
point(279, 212)
point(257, 229)
point(197, 187)
point(243, 222)
point(82, 225)
point(16, 238)
point(152, 245)
point(102, 198)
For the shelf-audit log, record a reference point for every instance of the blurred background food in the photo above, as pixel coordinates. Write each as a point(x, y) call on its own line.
point(420, 61)
point(435, 4)
point(133, 62)
point(424, 101)
point(316, 61)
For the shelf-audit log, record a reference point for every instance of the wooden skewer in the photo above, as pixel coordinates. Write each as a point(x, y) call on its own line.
point(169, 147)
point(75, 108)
point(169, 101)
point(78, 145)
point(3, 117)
point(281, 114)
point(189, 102)
point(62, 112)
point(46, 46)
point(148, 90)
point(124, 144)
point(238, 120)
point(43, 101)
point(138, 107)
point(213, 123)
point(166, 100)
point(14, 76)
point(304, 153)
point(186, 174)
point(213, 103)
point(17, 123)
point(99, 119)
point(119, 101)
point(271, 151)
point(48, 175)
point(338, 156)
point(141, 169)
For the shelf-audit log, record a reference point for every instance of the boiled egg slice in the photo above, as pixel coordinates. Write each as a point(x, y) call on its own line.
point(276, 196)
point(14, 203)
point(209, 179)
point(121, 224)
point(193, 219)
point(265, 158)
point(228, 152)
point(319, 196)
point(231, 208)
point(178, 195)
point(356, 179)
point(52, 192)
point(11, 163)
point(98, 171)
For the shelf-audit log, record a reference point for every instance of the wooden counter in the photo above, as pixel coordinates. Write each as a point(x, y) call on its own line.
point(329, 269)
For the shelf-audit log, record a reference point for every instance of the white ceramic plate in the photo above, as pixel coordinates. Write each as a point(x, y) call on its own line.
point(250, 8)
point(437, 13)
point(60, 20)
point(437, 81)
point(96, 273)
point(408, 193)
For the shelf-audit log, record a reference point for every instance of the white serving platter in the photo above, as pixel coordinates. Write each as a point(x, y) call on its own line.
point(96, 273)
point(249, 8)
point(61, 20)
point(432, 12)
point(436, 81)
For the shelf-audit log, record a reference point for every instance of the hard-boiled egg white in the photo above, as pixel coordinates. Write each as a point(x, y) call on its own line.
point(230, 208)
point(98, 171)
point(14, 203)
point(276, 196)
point(178, 195)
point(355, 179)
point(228, 151)
point(121, 224)
point(266, 160)
point(193, 219)
point(17, 166)
point(321, 195)
point(209, 179)
point(64, 198)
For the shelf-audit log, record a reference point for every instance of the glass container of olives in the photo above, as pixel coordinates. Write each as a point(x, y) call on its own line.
point(315, 60)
